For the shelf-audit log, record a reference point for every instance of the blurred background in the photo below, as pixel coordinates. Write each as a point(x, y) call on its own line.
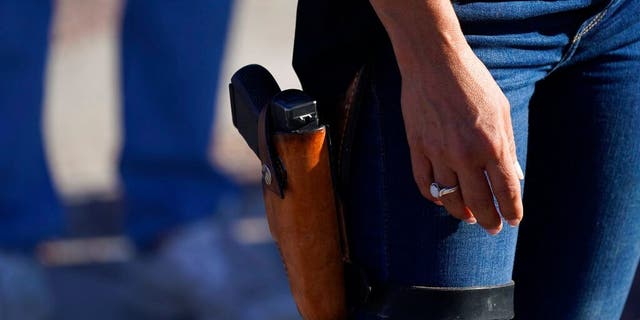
point(83, 102)
point(93, 271)
point(90, 269)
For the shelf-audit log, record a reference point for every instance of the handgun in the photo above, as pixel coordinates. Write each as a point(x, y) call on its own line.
point(283, 130)
point(253, 88)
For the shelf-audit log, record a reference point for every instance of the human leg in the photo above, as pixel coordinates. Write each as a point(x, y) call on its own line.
point(580, 241)
point(29, 208)
point(399, 237)
point(171, 55)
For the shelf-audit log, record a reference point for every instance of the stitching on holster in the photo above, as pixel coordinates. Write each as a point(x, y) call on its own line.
point(353, 89)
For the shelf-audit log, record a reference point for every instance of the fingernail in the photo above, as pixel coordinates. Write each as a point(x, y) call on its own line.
point(519, 171)
point(514, 222)
point(471, 220)
point(494, 231)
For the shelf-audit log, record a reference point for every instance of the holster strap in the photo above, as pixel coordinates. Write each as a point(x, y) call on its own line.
point(415, 302)
point(273, 174)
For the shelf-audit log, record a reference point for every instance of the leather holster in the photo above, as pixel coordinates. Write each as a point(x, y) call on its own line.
point(301, 212)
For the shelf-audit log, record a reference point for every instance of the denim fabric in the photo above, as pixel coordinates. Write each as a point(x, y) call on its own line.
point(171, 56)
point(29, 209)
point(171, 53)
point(571, 71)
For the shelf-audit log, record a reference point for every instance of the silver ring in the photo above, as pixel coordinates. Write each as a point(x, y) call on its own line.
point(438, 191)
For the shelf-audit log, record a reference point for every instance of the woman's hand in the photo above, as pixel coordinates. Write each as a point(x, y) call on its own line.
point(459, 127)
point(456, 117)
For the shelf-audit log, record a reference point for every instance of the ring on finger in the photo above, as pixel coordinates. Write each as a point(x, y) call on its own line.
point(438, 191)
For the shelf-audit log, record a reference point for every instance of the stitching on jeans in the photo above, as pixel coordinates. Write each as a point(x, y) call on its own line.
point(576, 39)
point(384, 204)
point(591, 24)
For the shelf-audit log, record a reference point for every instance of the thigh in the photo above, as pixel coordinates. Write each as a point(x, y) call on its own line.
point(580, 240)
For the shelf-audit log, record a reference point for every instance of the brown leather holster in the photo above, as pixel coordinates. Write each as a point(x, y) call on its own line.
point(304, 210)
point(302, 217)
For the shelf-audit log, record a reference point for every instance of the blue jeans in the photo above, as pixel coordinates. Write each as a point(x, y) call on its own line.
point(171, 53)
point(571, 71)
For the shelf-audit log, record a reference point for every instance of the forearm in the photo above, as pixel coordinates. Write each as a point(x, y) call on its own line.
point(424, 33)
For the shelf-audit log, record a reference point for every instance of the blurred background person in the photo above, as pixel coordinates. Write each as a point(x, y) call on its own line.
point(171, 53)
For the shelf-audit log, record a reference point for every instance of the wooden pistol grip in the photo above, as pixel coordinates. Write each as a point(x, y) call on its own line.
point(305, 225)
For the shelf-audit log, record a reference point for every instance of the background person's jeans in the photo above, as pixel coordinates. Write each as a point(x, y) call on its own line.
point(171, 55)
point(571, 71)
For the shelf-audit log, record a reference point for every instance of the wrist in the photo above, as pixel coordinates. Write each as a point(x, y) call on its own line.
point(424, 34)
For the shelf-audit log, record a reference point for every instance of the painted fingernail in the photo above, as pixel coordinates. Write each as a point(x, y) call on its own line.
point(513, 222)
point(519, 171)
point(471, 220)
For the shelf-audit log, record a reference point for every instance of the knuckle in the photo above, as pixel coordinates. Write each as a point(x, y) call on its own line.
point(507, 192)
point(491, 142)
point(483, 138)
point(476, 151)
point(494, 149)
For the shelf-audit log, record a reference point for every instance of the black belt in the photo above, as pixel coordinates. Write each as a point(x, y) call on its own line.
point(415, 302)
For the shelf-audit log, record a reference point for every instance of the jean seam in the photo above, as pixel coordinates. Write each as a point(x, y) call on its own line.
point(384, 202)
point(584, 29)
